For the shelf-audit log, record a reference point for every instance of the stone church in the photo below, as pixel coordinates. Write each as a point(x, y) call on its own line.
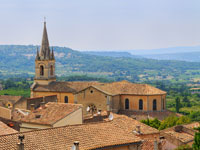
point(93, 96)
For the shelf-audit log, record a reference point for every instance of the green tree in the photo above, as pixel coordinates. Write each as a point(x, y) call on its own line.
point(178, 104)
point(196, 145)
point(184, 147)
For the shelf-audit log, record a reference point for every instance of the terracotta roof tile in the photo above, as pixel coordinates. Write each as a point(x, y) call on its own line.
point(90, 136)
point(179, 132)
point(51, 113)
point(70, 87)
point(10, 98)
point(114, 88)
point(182, 136)
point(4, 129)
point(192, 125)
point(126, 123)
point(125, 87)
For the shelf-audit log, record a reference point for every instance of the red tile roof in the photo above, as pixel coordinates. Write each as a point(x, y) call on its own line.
point(90, 136)
point(4, 129)
point(51, 113)
point(114, 88)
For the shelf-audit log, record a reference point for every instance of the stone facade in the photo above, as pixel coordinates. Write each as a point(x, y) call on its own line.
point(102, 101)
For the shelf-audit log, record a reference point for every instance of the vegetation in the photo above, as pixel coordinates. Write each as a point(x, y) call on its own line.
point(18, 61)
point(167, 122)
point(196, 145)
point(184, 147)
point(16, 87)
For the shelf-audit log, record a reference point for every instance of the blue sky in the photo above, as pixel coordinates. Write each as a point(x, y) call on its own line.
point(102, 24)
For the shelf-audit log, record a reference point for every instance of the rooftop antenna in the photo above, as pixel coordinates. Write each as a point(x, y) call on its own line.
point(45, 19)
point(111, 117)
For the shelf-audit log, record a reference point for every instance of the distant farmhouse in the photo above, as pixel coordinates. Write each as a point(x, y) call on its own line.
point(95, 96)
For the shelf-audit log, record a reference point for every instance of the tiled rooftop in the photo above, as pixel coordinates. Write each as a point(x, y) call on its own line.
point(10, 98)
point(183, 133)
point(126, 123)
point(50, 113)
point(192, 125)
point(114, 88)
point(4, 129)
point(90, 136)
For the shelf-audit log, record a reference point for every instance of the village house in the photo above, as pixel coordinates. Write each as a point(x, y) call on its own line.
point(4, 129)
point(52, 115)
point(179, 135)
point(113, 97)
point(9, 101)
point(36, 102)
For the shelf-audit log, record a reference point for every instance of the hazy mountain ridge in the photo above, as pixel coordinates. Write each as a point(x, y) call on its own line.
point(187, 56)
point(15, 59)
point(111, 54)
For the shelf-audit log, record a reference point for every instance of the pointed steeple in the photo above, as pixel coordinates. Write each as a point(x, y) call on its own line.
point(52, 54)
point(44, 49)
point(37, 56)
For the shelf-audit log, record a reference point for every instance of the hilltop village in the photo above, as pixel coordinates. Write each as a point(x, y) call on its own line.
point(86, 115)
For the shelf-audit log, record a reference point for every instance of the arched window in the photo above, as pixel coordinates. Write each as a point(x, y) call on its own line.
point(66, 99)
point(41, 70)
point(140, 104)
point(163, 103)
point(127, 103)
point(154, 104)
point(51, 70)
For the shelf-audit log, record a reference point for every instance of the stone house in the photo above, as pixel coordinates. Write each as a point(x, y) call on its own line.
point(52, 115)
point(179, 135)
point(9, 101)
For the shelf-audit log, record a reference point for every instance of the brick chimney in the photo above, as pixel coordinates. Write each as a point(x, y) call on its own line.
point(20, 146)
point(42, 104)
point(138, 129)
point(32, 107)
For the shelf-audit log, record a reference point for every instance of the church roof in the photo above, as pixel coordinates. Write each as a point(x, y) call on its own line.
point(70, 87)
point(45, 53)
point(125, 87)
point(114, 88)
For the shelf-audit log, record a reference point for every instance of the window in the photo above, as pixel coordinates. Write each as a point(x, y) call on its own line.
point(41, 70)
point(154, 104)
point(51, 70)
point(66, 99)
point(127, 103)
point(163, 103)
point(140, 104)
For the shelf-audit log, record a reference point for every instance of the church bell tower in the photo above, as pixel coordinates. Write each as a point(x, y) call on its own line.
point(44, 62)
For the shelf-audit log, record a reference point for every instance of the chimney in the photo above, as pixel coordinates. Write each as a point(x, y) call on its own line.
point(138, 129)
point(155, 144)
point(32, 107)
point(76, 145)
point(20, 146)
point(42, 104)
point(99, 112)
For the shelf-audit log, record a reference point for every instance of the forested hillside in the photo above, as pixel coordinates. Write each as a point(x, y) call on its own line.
point(19, 60)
